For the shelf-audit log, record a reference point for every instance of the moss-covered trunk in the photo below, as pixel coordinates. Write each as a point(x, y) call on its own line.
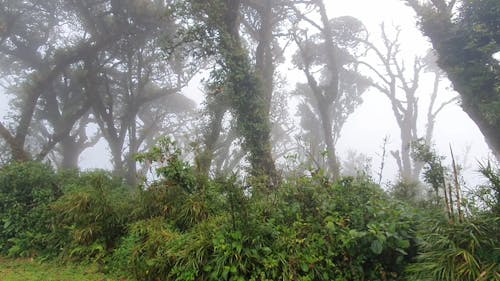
point(248, 98)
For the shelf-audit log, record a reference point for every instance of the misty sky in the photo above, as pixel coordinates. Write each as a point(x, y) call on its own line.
point(366, 128)
point(373, 120)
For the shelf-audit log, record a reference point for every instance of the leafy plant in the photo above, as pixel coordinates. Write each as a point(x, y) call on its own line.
point(489, 194)
point(308, 229)
point(93, 215)
point(26, 190)
point(462, 251)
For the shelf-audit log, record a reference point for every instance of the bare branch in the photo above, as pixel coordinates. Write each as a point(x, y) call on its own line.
point(6, 135)
point(445, 104)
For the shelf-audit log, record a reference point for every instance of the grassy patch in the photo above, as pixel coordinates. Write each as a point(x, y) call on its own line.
point(28, 270)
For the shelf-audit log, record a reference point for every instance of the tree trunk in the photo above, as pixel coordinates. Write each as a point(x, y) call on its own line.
point(211, 136)
point(116, 157)
point(247, 98)
point(70, 153)
point(490, 131)
point(331, 92)
point(475, 80)
point(406, 163)
point(333, 165)
point(264, 55)
point(131, 163)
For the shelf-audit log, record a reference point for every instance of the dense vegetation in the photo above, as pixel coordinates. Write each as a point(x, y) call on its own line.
point(184, 226)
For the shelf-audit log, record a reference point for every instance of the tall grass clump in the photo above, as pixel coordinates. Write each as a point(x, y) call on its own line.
point(92, 216)
point(457, 246)
point(463, 251)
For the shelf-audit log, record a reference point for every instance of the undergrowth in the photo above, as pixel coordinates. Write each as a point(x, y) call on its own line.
point(184, 226)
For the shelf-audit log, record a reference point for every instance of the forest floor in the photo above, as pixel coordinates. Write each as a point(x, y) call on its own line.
point(32, 270)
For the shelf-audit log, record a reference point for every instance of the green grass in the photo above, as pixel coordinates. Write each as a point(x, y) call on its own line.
point(29, 270)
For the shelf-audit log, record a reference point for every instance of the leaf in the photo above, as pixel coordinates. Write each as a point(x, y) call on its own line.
point(330, 226)
point(376, 247)
point(304, 267)
point(403, 244)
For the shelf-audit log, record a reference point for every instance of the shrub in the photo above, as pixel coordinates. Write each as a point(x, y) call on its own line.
point(26, 190)
point(308, 229)
point(193, 228)
point(180, 195)
point(345, 231)
point(489, 194)
point(170, 201)
point(187, 227)
point(148, 249)
point(462, 251)
point(93, 214)
point(467, 249)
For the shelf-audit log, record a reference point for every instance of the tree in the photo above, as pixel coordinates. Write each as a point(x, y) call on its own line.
point(124, 101)
point(332, 95)
point(401, 86)
point(82, 62)
point(217, 29)
point(260, 21)
point(62, 116)
point(25, 28)
point(466, 35)
point(36, 53)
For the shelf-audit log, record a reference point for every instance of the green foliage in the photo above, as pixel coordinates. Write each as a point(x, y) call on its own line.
point(38, 219)
point(489, 194)
point(434, 171)
point(144, 252)
point(171, 202)
point(478, 33)
point(307, 229)
point(351, 230)
point(26, 190)
point(93, 215)
point(184, 226)
point(170, 166)
point(463, 251)
point(180, 195)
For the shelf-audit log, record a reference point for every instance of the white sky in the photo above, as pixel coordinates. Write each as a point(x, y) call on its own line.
point(373, 120)
point(366, 128)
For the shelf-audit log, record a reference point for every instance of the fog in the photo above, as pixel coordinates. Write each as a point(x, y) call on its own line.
point(133, 98)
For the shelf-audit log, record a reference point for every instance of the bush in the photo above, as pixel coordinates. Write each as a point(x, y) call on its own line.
point(187, 227)
point(26, 190)
point(306, 230)
point(462, 251)
point(193, 228)
point(345, 231)
point(92, 216)
point(170, 201)
point(145, 250)
point(488, 194)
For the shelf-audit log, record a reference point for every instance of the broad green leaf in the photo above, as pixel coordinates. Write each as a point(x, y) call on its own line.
point(376, 247)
